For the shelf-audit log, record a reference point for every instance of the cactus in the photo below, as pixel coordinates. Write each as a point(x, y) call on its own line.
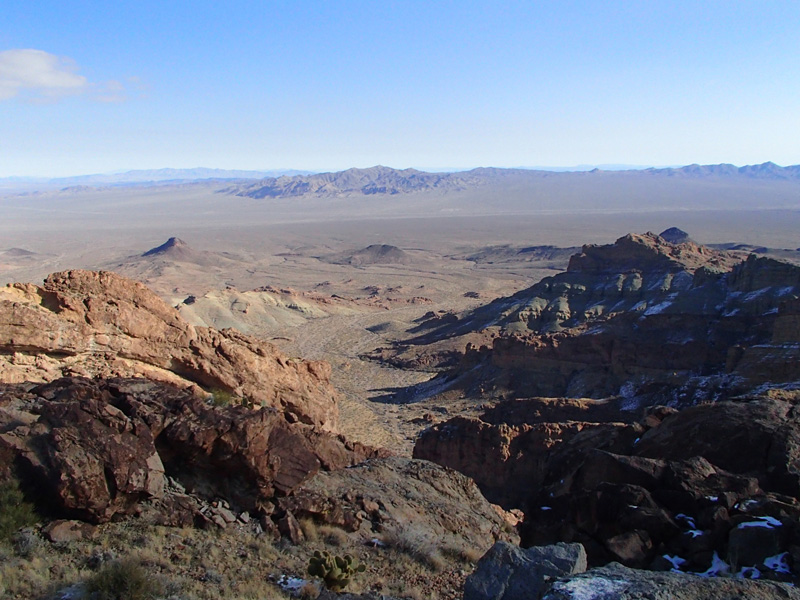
point(335, 571)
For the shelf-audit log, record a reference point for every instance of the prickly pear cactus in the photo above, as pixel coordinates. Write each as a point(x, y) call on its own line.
point(335, 571)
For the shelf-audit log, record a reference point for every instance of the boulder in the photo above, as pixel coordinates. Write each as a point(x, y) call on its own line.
point(68, 531)
point(508, 572)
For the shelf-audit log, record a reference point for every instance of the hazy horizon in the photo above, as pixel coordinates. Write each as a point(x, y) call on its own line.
point(300, 171)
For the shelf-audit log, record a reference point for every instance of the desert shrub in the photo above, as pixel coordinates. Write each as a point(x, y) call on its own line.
point(333, 536)
point(124, 579)
point(416, 544)
point(25, 542)
point(15, 512)
point(309, 529)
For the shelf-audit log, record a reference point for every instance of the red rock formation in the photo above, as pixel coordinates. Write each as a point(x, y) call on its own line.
point(95, 449)
point(99, 324)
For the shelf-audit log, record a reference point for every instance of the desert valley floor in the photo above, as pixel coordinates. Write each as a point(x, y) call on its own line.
point(458, 253)
point(575, 366)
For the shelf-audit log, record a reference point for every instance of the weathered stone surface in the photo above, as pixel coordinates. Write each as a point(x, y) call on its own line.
point(508, 572)
point(758, 438)
point(68, 531)
point(510, 450)
point(290, 528)
point(415, 499)
point(99, 448)
point(99, 324)
point(615, 582)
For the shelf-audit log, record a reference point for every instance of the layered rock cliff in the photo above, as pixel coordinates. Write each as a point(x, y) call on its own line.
point(99, 324)
point(644, 318)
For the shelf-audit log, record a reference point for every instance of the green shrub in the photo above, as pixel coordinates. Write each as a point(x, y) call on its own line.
point(222, 398)
point(124, 579)
point(15, 512)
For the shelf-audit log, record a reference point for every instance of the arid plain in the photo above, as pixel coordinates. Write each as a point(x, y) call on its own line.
point(296, 270)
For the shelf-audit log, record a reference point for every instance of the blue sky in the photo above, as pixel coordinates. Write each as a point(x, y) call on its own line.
point(89, 87)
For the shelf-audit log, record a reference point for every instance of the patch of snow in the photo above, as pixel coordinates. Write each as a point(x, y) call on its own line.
point(718, 567)
point(686, 519)
point(658, 308)
point(789, 289)
point(712, 498)
point(292, 585)
point(778, 563)
point(768, 522)
point(755, 294)
point(545, 508)
point(73, 592)
point(676, 561)
point(694, 533)
point(589, 588)
point(749, 573)
point(639, 306)
point(636, 441)
point(746, 505)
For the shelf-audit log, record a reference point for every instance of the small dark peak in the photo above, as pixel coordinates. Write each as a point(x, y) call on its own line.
point(18, 252)
point(172, 243)
point(675, 236)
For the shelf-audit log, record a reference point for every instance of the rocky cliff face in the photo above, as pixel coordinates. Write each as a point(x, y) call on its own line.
point(99, 324)
point(654, 321)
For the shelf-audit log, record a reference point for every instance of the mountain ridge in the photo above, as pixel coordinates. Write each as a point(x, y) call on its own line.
point(382, 180)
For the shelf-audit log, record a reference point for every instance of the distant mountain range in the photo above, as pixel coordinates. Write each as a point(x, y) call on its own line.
point(150, 176)
point(384, 180)
point(380, 180)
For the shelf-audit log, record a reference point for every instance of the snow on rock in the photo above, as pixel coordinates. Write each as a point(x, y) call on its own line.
point(778, 563)
point(718, 568)
point(587, 588)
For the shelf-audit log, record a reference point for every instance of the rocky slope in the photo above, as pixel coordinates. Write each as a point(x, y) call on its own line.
point(716, 478)
point(98, 324)
point(644, 318)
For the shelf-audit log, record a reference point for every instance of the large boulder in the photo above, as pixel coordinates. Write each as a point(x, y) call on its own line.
point(99, 324)
point(96, 449)
point(508, 572)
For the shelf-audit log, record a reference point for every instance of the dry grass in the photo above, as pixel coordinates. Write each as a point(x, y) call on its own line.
point(192, 564)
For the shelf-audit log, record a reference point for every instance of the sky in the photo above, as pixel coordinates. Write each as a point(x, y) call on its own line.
point(90, 87)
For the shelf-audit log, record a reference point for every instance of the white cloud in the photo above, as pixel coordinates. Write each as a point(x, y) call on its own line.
point(38, 74)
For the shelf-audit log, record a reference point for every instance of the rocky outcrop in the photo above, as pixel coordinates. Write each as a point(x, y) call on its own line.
point(99, 449)
point(718, 478)
point(654, 321)
point(374, 254)
point(509, 450)
point(99, 324)
point(409, 503)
